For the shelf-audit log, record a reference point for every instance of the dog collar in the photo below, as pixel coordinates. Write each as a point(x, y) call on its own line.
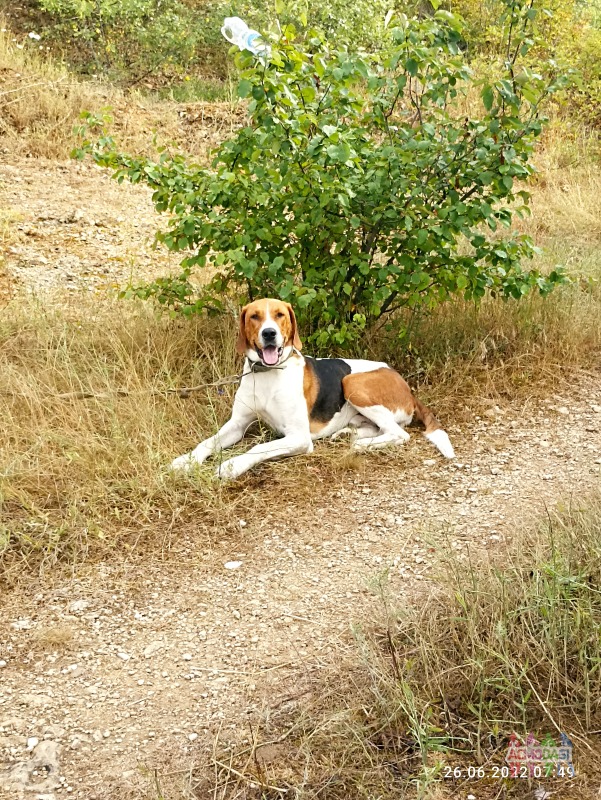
point(258, 366)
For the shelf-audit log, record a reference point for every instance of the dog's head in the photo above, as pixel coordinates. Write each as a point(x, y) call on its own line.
point(267, 331)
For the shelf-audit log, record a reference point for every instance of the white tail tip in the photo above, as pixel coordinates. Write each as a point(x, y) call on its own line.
point(440, 439)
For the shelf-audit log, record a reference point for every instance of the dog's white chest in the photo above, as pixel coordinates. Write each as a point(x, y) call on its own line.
point(276, 397)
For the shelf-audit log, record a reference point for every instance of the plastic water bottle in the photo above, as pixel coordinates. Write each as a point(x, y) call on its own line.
point(236, 31)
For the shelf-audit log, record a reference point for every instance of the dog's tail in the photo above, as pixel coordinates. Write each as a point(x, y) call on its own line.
point(434, 432)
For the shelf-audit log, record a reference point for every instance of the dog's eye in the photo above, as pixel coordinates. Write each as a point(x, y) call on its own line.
point(279, 315)
point(256, 317)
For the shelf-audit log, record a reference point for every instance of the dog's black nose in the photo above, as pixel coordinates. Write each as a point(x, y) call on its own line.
point(269, 334)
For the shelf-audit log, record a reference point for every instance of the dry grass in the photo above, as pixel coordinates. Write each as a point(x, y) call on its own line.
point(77, 474)
point(496, 645)
point(504, 350)
point(40, 104)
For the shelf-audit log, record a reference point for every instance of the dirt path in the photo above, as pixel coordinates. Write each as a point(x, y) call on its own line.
point(71, 226)
point(127, 667)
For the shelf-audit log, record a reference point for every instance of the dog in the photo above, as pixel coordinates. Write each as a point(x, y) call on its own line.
point(304, 399)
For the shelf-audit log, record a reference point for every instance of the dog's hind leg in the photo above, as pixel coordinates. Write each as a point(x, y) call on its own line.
point(383, 432)
point(359, 427)
point(360, 432)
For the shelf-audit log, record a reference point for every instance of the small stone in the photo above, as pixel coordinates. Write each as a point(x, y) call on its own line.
point(21, 625)
point(123, 656)
point(232, 564)
point(192, 737)
point(236, 614)
point(494, 470)
point(430, 462)
point(54, 731)
point(563, 410)
point(32, 742)
point(45, 757)
point(187, 656)
point(2, 663)
point(152, 648)
point(243, 523)
point(596, 409)
point(77, 606)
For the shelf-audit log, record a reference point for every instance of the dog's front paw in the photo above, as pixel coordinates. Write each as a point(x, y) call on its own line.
point(231, 469)
point(183, 464)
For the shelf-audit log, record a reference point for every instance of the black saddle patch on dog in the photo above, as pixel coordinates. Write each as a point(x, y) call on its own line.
point(330, 397)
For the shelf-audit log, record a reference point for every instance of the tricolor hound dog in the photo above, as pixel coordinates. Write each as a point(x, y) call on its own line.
point(306, 398)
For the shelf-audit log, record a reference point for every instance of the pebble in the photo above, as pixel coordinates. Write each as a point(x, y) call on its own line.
point(152, 648)
point(21, 625)
point(123, 656)
point(233, 564)
point(77, 606)
point(2, 663)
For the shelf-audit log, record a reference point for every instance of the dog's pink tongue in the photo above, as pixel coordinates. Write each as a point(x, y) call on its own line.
point(270, 355)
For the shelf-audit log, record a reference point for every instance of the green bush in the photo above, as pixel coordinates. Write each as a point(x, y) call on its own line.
point(358, 186)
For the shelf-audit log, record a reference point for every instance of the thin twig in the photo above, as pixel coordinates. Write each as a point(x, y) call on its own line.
point(251, 779)
point(29, 86)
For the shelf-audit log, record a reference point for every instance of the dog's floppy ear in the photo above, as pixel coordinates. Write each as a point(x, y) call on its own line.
point(296, 342)
point(242, 342)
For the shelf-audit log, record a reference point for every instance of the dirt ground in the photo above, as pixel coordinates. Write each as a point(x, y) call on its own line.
point(127, 667)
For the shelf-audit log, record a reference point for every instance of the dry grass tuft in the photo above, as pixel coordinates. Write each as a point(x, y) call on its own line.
point(39, 101)
point(55, 637)
point(504, 350)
